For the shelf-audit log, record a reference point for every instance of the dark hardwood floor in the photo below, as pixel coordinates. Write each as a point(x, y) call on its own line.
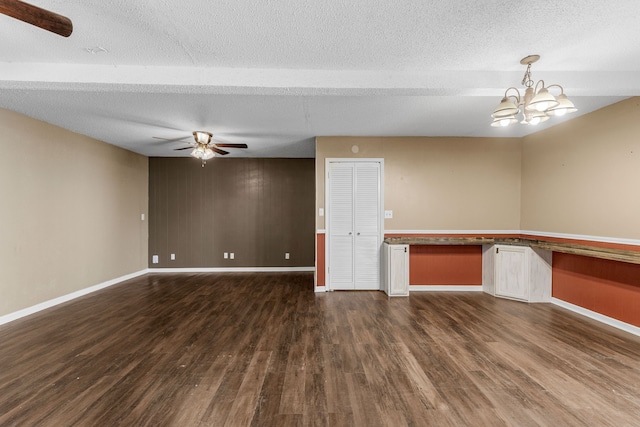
point(264, 350)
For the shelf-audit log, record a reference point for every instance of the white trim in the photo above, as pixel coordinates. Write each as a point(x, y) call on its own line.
point(597, 316)
point(601, 239)
point(452, 232)
point(64, 298)
point(444, 288)
point(321, 231)
point(231, 270)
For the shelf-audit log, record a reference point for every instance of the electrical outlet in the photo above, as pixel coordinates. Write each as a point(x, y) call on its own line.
point(226, 255)
point(286, 255)
point(154, 259)
point(232, 255)
point(173, 257)
point(388, 214)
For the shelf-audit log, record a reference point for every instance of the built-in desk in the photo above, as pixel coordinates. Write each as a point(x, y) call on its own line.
point(523, 272)
point(613, 254)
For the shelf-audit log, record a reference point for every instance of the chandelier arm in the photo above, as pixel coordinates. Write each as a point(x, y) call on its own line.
point(535, 90)
point(517, 97)
point(558, 86)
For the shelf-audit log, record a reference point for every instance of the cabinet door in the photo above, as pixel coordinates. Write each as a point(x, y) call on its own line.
point(511, 272)
point(398, 270)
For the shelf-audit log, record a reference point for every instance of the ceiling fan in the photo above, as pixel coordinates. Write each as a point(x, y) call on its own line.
point(203, 147)
point(37, 16)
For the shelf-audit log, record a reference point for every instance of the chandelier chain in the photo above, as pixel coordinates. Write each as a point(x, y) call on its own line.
point(526, 80)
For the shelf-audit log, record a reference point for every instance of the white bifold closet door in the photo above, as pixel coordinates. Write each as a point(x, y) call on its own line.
point(355, 232)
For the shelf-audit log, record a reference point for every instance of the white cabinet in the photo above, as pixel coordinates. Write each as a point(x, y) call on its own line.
point(396, 269)
point(511, 278)
point(517, 272)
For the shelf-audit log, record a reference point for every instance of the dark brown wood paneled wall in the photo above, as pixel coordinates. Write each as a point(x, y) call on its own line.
point(256, 208)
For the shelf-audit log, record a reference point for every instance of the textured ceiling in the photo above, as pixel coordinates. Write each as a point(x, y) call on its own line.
point(274, 74)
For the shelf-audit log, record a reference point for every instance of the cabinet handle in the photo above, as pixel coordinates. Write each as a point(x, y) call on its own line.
point(497, 250)
point(358, 234)
point(350, 233)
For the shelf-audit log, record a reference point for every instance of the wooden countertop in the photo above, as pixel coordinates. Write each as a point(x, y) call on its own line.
point(622, 255)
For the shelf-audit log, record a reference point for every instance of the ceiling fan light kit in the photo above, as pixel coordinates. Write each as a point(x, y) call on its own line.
point(202, 151)
point(203, 147)
point(537, 104)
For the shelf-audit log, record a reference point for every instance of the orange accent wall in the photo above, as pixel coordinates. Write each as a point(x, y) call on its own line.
point(445, 265)
point(320, 280)
point(610, 288)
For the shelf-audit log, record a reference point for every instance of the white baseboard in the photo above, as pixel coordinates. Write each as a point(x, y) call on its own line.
point(444, 288)
point(64, 298)
point(232, 270)
point(597, 316)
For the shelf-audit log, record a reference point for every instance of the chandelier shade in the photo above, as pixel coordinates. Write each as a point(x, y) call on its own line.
point(534, 118)
point(505, 108)
point(564, 106)
point(542, 101)
point(504, 121)
point(537, 104)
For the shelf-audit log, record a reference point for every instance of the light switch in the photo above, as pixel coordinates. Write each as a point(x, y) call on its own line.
point(320, 211)
point(173, 257)
point(232, 255)
point(388, 214)
point(154, 259)
point(226, 255)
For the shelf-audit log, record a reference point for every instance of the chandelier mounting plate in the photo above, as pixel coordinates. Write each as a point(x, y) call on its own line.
point(528, 60)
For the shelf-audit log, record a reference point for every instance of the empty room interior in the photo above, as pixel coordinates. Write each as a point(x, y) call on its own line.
point(319, 213)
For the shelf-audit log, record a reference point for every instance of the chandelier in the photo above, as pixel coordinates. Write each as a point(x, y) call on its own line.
point(202, 150)
point(538, 104)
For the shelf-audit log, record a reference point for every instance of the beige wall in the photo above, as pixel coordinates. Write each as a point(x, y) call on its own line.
point(583, 176)
point(69, 212)
point(438, 183)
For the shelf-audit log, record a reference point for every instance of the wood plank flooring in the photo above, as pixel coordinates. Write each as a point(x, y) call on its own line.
point(264, 350)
